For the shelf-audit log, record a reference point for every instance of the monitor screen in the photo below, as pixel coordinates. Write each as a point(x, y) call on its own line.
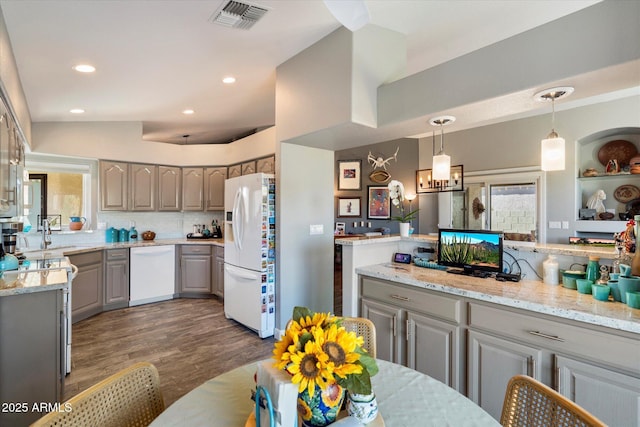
point(470, 249)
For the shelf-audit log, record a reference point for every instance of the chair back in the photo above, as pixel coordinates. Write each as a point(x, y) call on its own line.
point(131, 397)
point(364, 327)
point(530, 403)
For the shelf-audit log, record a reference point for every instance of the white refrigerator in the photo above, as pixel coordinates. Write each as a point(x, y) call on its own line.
point(249, 252)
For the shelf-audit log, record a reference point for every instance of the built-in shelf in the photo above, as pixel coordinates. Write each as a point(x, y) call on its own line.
point(600, 226)
point(625, 176)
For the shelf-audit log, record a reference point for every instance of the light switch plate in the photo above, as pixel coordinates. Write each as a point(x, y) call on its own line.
point(316, 229)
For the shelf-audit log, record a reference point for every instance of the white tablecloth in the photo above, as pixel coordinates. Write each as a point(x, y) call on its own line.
point(405, 398)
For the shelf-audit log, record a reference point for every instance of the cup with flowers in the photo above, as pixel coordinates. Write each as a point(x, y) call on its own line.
point(326, 361)
point(397, 195)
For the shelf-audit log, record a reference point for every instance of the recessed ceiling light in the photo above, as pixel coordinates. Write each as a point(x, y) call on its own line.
point(188, 111)
point(228, 80)
point(84, 68)
point(76, 111)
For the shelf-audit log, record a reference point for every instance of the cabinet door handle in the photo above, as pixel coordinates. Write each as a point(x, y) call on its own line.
point(408, 330)
point(395, 331)
point(531, 367)
point(400, 297)
point(547, 336)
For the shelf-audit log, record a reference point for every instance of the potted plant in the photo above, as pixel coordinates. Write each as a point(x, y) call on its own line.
point(397, 195)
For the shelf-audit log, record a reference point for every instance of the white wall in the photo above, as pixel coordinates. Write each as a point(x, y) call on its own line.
point(304, 197)
point(123, 141)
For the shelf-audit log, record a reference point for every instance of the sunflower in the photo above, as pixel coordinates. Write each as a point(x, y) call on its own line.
point(310, 368)
point(309, 323)
point(340, 348)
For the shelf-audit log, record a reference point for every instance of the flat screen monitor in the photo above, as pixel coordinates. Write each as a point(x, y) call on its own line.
point(470, 249)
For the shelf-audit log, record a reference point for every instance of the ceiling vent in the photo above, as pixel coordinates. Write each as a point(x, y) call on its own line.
point(235, 14)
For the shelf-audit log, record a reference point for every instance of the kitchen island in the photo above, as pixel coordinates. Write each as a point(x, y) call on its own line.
point(474, 334)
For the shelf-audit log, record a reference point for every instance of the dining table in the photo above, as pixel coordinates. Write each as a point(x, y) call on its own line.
point(406, 398)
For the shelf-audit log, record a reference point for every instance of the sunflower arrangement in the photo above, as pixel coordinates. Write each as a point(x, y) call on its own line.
point(317, 350)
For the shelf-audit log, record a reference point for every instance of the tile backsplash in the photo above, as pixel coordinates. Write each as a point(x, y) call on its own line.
point(167, 225)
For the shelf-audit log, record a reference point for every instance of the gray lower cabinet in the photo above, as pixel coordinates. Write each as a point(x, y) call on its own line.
point(31, 355)
point(476, 347)
point(416, 328)
point(597, 367)
point(492, 361)
point(609, 395)
point(116, 278)
point(87, 287)
point(218, 272)
point(195, 269)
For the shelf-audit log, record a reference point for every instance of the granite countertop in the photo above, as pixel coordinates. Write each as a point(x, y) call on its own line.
point(529, 295)
point(79, 248)
point(511, 245)
point(24, 282)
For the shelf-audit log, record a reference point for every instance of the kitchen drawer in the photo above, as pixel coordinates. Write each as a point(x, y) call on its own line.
point(418, 300)
point(552, 334)
point(86, 258)
point(219, 251)
point(116, 254)
point(196, 250)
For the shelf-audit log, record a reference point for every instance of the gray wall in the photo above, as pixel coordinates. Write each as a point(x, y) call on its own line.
point(404, 170)
point(516, 144)
point(304, 197)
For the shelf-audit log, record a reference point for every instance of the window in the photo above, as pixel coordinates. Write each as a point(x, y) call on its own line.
point(511, 201)
point(58, 188)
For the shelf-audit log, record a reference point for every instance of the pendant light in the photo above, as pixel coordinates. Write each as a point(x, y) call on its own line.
point(552, 153)
point(441, 162)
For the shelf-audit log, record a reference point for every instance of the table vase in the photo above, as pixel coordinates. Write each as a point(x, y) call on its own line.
point(322, 408)
point(363, 407)
point(404, 229)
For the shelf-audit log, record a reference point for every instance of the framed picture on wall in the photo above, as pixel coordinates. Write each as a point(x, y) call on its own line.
point(349, 207)
point(349, 175)
point(378, 202)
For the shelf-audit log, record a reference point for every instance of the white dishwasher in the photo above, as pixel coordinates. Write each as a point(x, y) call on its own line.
point(152, 274)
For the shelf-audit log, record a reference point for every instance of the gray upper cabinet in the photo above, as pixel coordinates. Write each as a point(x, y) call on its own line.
point(234, 171)
point(143, 187)
point(114, 178)
point(169, 188)
point(214, 188)
point(266, 165)
point(192, 189)
point(249, 167)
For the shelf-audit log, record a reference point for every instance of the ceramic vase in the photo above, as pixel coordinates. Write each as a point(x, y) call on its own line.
point(322, 408)
point(404, 229)
point(628, 284)
point(363, 407)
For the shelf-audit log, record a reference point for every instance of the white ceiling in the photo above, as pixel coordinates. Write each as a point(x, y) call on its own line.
point(157, 58)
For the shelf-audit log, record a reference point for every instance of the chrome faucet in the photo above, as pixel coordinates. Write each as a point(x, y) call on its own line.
point(46, 234)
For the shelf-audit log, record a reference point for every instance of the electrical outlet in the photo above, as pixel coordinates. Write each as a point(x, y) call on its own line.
point(565, 225)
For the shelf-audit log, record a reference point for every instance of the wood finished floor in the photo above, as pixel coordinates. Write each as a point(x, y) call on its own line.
point(188, 340)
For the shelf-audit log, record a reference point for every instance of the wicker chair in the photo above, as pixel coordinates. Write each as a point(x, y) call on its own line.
point(530, 403)
point(364, 327)
point(131, 397)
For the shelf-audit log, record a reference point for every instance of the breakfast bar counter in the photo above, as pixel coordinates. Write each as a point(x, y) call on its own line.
point(529, 295)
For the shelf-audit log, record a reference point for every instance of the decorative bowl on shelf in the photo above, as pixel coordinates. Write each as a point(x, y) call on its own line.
point(148, 235)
